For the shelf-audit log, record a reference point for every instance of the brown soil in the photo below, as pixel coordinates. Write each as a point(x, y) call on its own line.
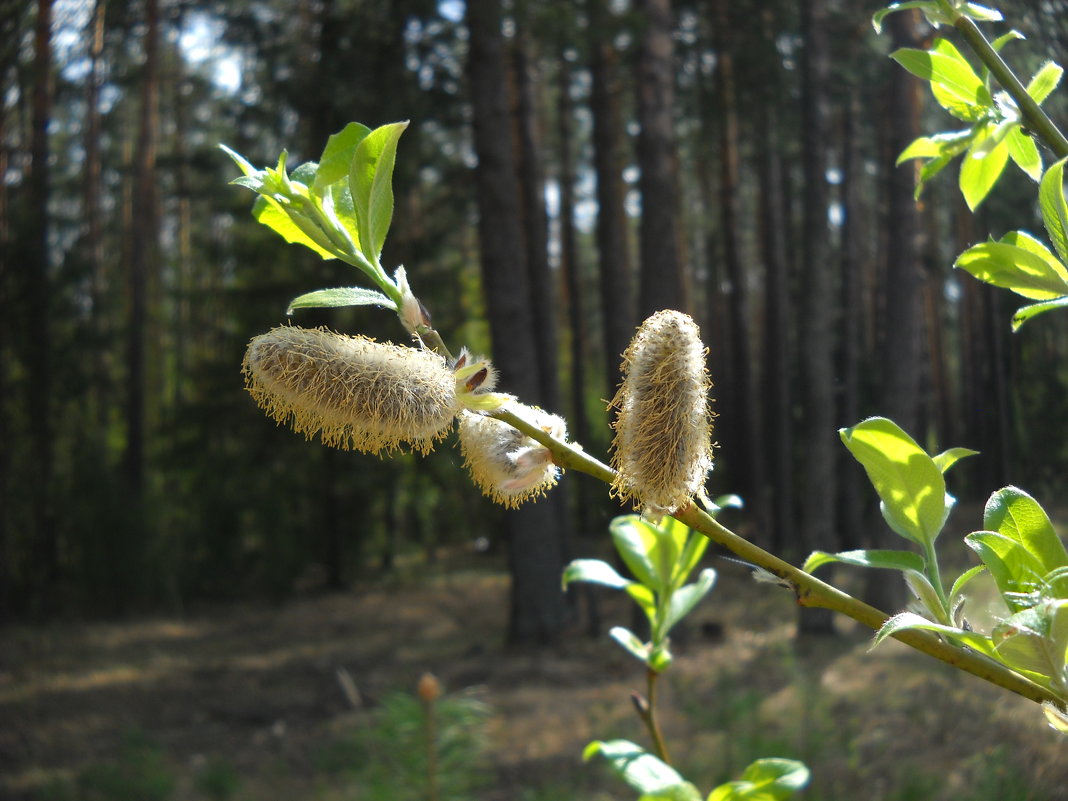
point(258, 687)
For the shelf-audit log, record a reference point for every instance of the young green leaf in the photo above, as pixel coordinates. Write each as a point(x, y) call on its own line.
point(930, 9)
point(910, 484)
point(1018, 262)
point(371, 184)
point(948, 458)
point(269, 212)
point(684, 599)
point(953, 81)
point(645, 773)
point(340, 297)
point(978, 12)
point(770, 779)
point(594, 571)
point(1029, 642)
point(949, 144)
point(337, 156)
point(1014, 514)
point(910, 620)
point(1024, 153)
point(638, 543)
point(630, 642)
point(1044, 81)
point(646, 600)
point(904, 561)
point(1054, 209)
point(1025, 313)
point(962, 581)
point(981, 168)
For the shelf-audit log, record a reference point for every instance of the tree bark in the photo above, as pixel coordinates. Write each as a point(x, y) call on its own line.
point(534, 549)
point(614, 262)
point(662, 279)
point(144, 254)
point(820, 304)
point(45, 549)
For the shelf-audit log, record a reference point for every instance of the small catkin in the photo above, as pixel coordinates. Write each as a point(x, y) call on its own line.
point(353, 392)
point(662, 450)
point(506, 464)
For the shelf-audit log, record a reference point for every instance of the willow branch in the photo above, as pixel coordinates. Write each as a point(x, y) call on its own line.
point(810, 591)
point(1035, 118)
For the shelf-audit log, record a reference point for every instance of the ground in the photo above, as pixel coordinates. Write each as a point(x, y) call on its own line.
point(263, 690)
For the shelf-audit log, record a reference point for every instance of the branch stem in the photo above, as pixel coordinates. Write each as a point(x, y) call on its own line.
point(1035, 119)
point(811, 591)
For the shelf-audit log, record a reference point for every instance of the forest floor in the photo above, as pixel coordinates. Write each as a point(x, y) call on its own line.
point(242, 702)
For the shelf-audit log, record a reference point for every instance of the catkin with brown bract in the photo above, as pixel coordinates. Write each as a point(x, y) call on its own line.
point(662, 450)
point(353, 392)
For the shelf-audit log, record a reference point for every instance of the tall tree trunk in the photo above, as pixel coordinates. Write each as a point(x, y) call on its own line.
point(144, 254)
point(819, 302)
point(45, 547)
point(855, 489)
point(779, 380)
point(740, 435)
point(535, 220)
point(662, 279)
point(534, 549)
point(614, 263)
point(94, 224)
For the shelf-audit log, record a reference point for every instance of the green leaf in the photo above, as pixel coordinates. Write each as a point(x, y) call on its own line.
point(243, 163)
point(642, 771)
point(771, 779)
point(269, 212)
point(637, 543)
point(980, 13)
point(963, 105)
point(1018, 262)
point(1013, 513)
point(980, 170)
point(340, 297)
point(371, 184)
point(684, 599)
point(941, 145)
point(694, 548)
point(1034, 640)
point(594, 571)
point(1017, 572)
point(646, 600)
point(1054, 209)
point(1024, 153)
point(911, 621)
point(1025, 313)
point(891, 560)
point(630, 642)
point(1044, 81)
point(929, 8)
point(337, 156)
point(947, 459)
point(962, 581)
point(910, 484)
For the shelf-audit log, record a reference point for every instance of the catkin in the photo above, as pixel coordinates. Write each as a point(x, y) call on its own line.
point(353, 392)
point(506, 464)
point(662, 449)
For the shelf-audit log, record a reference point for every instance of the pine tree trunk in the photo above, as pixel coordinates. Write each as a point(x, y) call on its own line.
point(820, 304)
point(534, 549)
point(144, 254)
point(662, 281)
point(614, 263)
point(45, 549)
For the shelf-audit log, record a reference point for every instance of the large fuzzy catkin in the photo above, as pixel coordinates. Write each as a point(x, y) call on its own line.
point(662, 450)
point(353, 392)
point(506, 464)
